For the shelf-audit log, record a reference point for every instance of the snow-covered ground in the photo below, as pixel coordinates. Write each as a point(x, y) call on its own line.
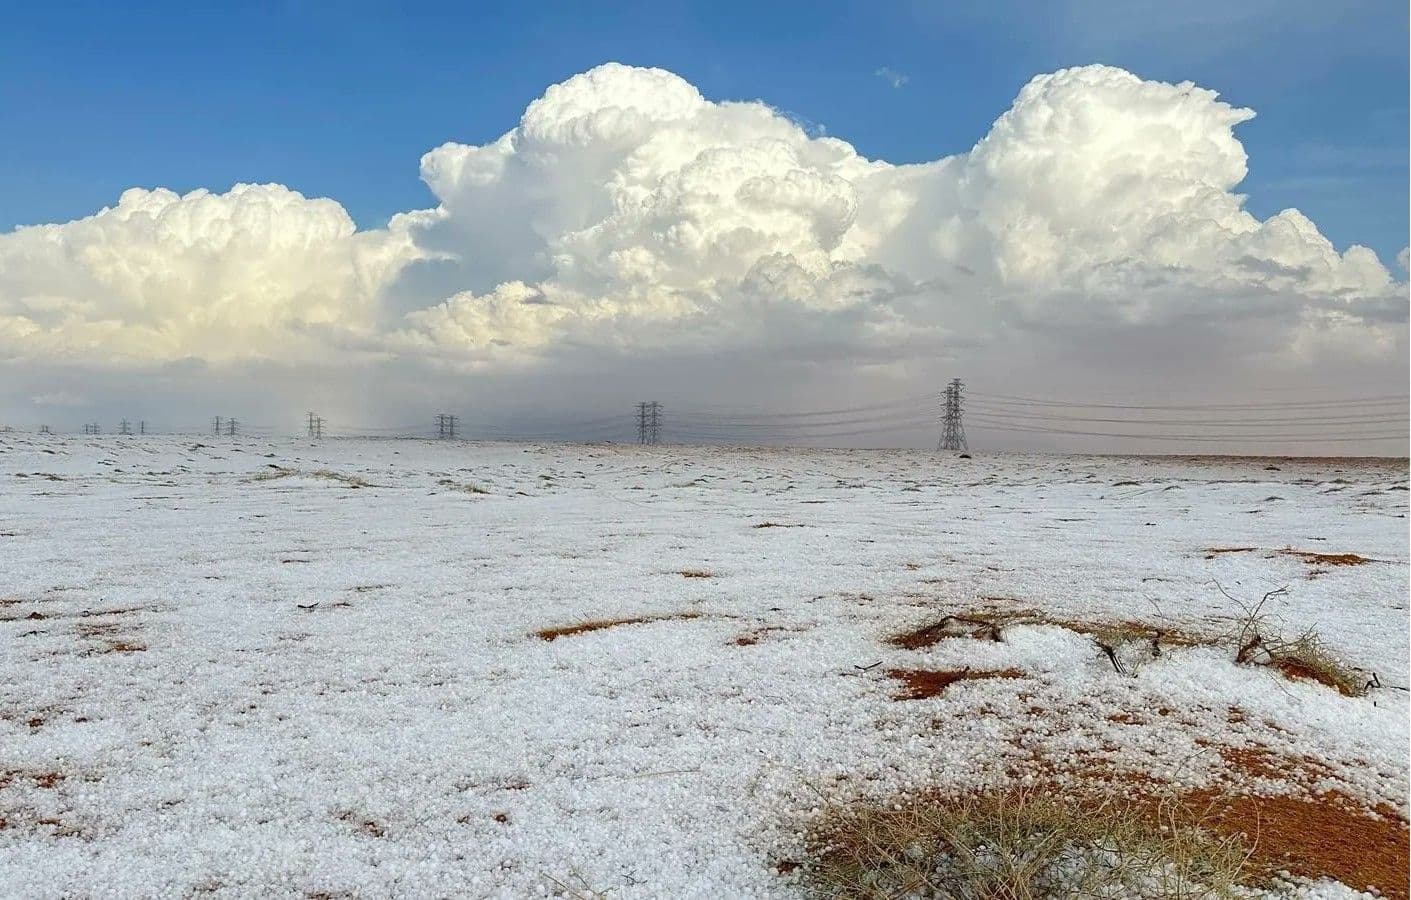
point(221, 676)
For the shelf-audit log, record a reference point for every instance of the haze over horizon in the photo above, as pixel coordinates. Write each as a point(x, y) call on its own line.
point(1102, 260)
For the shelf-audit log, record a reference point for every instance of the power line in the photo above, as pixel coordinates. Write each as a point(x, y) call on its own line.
point(1319, 421)
point(1304, 404)
point(1229, 439)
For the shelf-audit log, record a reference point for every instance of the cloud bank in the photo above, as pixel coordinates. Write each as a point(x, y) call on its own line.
point(626, 214)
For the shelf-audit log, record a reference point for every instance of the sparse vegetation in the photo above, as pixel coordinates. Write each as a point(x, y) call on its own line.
point(275, 472)
point(462, 486)
point(1305, 657)
point(1129, 644)
point(1018, 845)
point(352, 481)
point(1311, 557)
point(1327, 559)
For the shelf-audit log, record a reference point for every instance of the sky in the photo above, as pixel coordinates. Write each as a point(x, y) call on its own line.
point(1065, 252)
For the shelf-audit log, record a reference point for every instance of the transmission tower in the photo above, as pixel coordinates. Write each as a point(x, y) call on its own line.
point(952, 427)
point(142, 427)
point(648, 422)
point(124, 427)
point(230, 426)
point(215, 429)
point(318, 427)
point(312, 416)
point(445, 427)
point(44, 429)
point(91, 428)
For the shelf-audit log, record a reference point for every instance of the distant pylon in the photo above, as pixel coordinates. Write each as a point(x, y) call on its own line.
point(648, 422)
point(445, 426)
point(124, 427)
point(952, 427)
point(230, 426)
point(312, 416)
point(215, 429)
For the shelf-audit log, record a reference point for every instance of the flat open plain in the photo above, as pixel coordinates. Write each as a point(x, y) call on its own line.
point(432, 669)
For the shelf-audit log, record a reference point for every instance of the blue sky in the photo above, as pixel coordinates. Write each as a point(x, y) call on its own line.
point(341, 99)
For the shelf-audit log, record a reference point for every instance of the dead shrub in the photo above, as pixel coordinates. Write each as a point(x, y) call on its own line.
point(1304, 657)
point(1019, 845)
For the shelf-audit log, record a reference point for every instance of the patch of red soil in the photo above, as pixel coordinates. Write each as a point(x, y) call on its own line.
point(1324, 835)
point(1261, 762)
point(948, 626)
point(553, 634)
point(923, 683)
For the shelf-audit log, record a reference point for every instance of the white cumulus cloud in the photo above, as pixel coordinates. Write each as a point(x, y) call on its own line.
point(624, 197)
point(626, 212)
point(257, 271)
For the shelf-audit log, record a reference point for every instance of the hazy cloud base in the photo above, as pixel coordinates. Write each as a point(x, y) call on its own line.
point(631, 238)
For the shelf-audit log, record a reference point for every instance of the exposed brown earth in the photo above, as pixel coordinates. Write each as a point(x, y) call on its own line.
point(552, 634)
point(922, 683)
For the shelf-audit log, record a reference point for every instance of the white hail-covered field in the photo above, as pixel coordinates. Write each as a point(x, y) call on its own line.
point(273, 668)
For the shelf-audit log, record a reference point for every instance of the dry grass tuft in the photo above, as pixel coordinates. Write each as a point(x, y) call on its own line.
point(1311, 557)
point(464, 487)
point(553, 634)
point(1020, 845)
point(1306, 658)
point(1327, 559)
point(351, 481)
point(1212, 552)
point(695, 573)
point(274, 472)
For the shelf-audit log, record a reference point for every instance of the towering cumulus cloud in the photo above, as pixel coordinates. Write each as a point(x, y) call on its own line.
point(626, 210)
